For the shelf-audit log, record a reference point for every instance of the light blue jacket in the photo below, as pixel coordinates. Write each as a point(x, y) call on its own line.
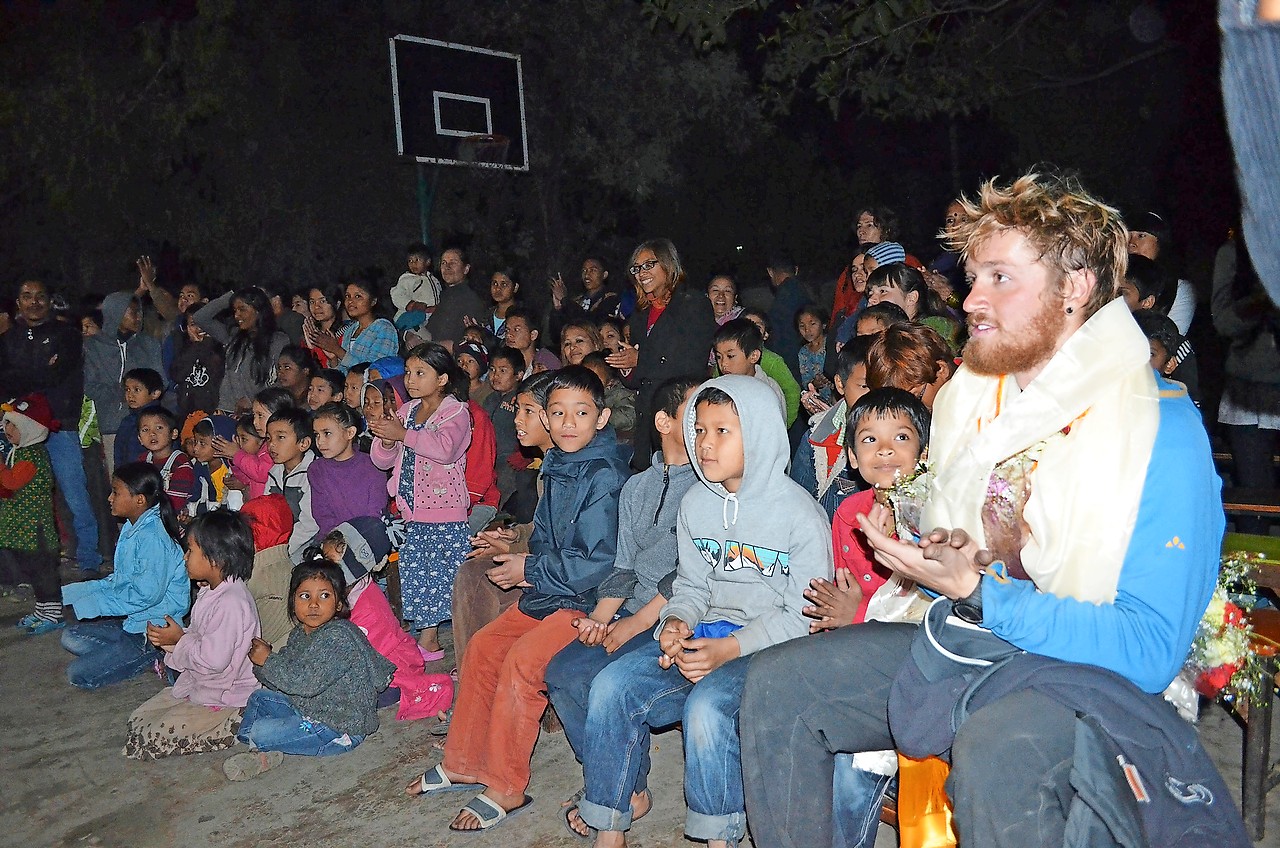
point(1169, 570)
point(149, 582)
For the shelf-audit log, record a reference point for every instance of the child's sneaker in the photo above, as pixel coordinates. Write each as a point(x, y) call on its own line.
point(27, 621)
point(45, 625)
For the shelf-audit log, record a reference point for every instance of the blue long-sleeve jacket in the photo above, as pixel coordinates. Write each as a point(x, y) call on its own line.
point(149, 582)
point(1169, 571)
point(575, 528)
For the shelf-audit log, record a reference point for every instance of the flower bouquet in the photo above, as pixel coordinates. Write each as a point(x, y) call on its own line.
point(1222, 655)
point(906, 499)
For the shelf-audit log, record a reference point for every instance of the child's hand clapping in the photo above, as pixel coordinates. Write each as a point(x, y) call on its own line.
point(390, 430)
point(165, 636)
point(259, 651)
point(835, 602)
point(671, 640)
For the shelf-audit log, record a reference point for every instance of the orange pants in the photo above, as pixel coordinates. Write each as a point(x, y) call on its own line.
point(501, 697)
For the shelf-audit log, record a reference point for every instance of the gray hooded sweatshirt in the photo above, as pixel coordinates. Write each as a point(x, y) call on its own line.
point(747, 556)
point(107, 359)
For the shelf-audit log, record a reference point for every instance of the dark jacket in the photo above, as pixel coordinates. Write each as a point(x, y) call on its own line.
point(24, 366)
point(456, 302)
point(679, 344)
point(575, 527)
point(784, 338)
point(196, 373)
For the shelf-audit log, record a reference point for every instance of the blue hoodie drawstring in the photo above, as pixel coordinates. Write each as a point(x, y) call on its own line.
point(724, 510)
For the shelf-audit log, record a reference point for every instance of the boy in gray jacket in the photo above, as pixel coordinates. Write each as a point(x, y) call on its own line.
point(109, 355)
point(750, 540)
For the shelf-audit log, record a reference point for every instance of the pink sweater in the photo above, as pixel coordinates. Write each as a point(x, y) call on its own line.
point(253, 468)
point(440, 469)
point(421, 694)
point(213, 655)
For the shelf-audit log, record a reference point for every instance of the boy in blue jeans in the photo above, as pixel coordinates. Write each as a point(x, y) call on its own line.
point(749, 541)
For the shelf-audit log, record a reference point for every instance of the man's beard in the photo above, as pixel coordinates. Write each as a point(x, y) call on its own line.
point(1016, 351)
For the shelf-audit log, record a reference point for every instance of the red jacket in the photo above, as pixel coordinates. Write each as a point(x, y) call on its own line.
point(482, 459)
point(852, 550)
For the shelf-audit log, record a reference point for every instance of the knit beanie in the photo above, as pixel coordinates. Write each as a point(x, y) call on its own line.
point(886, 253)
point(32, 418)
point(367, 546)
point(475, 351)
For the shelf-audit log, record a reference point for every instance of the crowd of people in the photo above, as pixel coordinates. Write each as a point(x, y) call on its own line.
point(962, 509)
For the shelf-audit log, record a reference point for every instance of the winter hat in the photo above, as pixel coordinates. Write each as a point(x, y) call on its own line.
point(475, 351)
point(224, 426)
point(269, 519)
point(886, 253)
point(387, 367)
point(32, 417)
point(367, 546)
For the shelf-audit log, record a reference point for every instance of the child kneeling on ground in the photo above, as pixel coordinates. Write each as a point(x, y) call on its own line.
point(320, 694)
point(201, 712)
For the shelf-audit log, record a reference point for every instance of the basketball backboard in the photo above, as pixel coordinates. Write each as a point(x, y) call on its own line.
point(458, 105)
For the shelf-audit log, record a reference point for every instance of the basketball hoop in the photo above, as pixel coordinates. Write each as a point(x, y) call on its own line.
point(484, 149)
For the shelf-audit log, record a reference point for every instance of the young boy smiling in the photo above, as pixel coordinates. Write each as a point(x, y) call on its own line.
point(502, 693)
point(289, 434)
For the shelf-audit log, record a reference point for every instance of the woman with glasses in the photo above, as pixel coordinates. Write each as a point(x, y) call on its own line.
point(671, 330)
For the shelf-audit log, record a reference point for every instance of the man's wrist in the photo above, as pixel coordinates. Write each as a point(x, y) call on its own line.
point(969, 607)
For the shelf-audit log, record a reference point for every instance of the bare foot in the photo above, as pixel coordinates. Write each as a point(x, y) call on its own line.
point(466, 820)
point(573, 818)
point(610, 839)
point(641, 804)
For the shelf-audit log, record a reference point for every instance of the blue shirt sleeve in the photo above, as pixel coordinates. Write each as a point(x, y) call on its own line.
point(1169, 571)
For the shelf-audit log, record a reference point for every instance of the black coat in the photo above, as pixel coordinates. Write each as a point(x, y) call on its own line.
point(679, 345)
point(24, 366)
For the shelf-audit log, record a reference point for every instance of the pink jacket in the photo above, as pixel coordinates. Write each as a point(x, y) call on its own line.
point(421, 694)
point(253, 469)
point(213, 655)
point(440, 471)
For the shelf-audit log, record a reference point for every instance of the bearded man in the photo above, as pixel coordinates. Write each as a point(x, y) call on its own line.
point(1080, 520)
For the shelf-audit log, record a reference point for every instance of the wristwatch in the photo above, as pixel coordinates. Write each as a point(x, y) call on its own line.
point(969, 609)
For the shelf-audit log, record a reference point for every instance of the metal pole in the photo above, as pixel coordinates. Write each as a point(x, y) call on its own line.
point(426, 195)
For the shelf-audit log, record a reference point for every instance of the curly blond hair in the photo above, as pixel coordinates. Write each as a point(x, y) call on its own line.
point(1071, 229)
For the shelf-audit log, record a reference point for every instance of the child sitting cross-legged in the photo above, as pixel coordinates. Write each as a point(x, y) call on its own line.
point(149, 583)
point(886, 433)
point(201, 712)
point(639, 586)
point(501, 695)
point(358, 547)
point(320, 691)
point(749, 540)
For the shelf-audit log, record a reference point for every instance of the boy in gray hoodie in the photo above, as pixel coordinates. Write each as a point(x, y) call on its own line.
point(109, 355)
point(749, 540)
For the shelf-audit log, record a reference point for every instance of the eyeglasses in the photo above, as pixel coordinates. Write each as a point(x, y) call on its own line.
point(643, 266)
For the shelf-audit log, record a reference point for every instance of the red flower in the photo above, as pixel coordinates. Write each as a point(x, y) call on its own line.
point(1210, 682)
point(1232, 615)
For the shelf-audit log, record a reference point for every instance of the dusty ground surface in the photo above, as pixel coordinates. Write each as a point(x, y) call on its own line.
point(64, 782)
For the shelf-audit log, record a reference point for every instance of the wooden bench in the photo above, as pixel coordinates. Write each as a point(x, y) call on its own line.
point(1237, 501)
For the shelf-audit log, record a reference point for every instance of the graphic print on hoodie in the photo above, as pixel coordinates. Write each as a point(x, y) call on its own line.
point(746, 557)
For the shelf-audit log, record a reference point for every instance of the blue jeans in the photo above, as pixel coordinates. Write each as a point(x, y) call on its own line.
point(272, 723)
point(856, 797)
point(68, 472)
point(569, 678)
point(106, 654)
point(634, 694)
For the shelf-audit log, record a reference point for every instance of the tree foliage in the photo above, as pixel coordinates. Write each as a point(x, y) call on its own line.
point(915, 58)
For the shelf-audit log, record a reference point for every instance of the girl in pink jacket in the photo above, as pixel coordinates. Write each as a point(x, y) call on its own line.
point(425, 446)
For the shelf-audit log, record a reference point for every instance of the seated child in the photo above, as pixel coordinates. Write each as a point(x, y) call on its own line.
point(358, 547)
point(750, 540)
point(353, 386)
point(27, 525)
point(501, 694)
point(1171, 353)
point(477, 601)
point(620, 400)
point(473, 358)
point(887, 432)
point(738, 346)
point(482, 470)
point(506, 369)
point(289, 435)
point(870, 321)
point(912, 357)
point(250, 460)
point(811, 324)
point(630, 597)
point(320, 691)
point(210, 470)
point(149, 583)
point(345, 484)
point(202, 710)
point(271, 523)
point(326, 387)
point(143, 387)
point(158, 433)
point(819, 462)
point(774, 365)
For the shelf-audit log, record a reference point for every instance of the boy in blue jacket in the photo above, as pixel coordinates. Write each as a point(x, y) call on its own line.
point(501, 696)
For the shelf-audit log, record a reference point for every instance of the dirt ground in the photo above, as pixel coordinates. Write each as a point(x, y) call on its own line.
point(64, 781)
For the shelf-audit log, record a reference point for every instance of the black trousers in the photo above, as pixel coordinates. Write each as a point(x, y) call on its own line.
point(811, 698)
point(41, 570)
